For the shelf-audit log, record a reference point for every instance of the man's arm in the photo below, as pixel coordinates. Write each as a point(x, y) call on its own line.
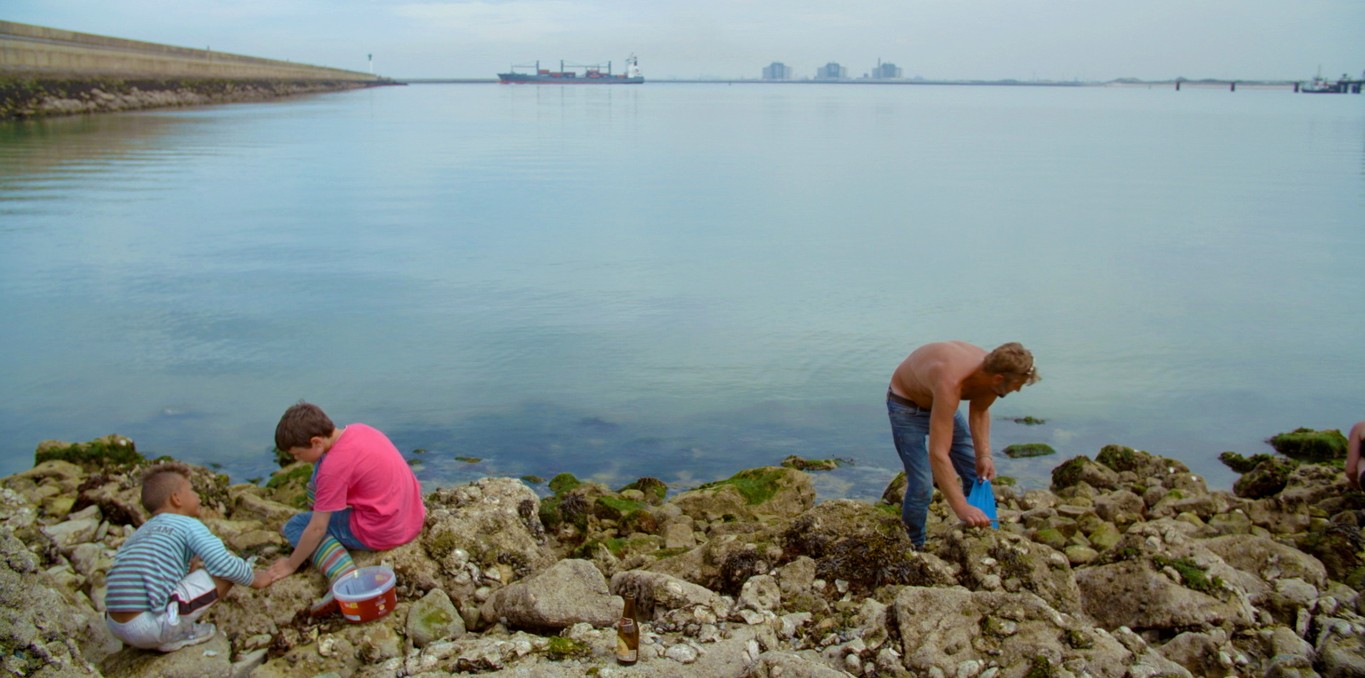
point(941, 416)
point(979, 423)
point(308, 543)
point(1353, 454)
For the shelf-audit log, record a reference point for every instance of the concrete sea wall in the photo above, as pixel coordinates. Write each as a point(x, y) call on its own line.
point(50, 71)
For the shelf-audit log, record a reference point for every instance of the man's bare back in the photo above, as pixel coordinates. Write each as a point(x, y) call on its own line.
point(942, 363)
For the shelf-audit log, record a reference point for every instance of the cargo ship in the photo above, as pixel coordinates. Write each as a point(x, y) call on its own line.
point(570, 75)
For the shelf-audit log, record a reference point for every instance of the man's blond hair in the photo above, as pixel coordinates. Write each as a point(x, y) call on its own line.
point(1012, 359)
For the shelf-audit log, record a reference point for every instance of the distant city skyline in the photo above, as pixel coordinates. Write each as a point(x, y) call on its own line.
point(1097, 40)
point(833, 71)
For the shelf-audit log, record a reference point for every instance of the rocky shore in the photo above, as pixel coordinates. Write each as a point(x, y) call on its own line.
point(27, 97)
point(1128, 565)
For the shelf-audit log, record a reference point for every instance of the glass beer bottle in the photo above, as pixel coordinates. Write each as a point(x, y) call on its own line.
point(628, 635)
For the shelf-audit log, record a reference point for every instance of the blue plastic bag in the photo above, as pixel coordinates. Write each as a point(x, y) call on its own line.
point(983, 497)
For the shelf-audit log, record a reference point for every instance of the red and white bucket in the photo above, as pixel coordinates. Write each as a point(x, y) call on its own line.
point(366, 594)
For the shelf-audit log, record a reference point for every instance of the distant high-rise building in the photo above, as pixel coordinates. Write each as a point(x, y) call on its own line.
point(777, 71)
point(831, 71)
point(887, 71)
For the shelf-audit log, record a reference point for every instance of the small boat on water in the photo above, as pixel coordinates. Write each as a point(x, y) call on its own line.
point(1318, 85)
point(590, 75)
point(1321, 85)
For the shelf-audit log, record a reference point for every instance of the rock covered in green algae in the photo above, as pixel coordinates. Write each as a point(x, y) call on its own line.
point(1082, 469)
point(1020, 450)
point(750, 494)
point(110, 451)
point(1306, 444)
point(434, 618)
point(1242, 464)
point(803, 464)
point(654, 491)
point(1265, 479)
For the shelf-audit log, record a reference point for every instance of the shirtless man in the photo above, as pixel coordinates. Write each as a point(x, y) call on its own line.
point(923, 400)
point(1355, 466)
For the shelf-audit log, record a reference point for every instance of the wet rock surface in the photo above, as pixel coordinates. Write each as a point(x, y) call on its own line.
point(1127, 565)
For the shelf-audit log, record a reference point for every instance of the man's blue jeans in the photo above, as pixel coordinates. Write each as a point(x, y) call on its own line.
point(910, 431)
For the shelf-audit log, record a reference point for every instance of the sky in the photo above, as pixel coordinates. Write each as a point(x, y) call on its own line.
point(1090, 40)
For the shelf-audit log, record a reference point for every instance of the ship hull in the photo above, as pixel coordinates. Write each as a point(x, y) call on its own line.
point(526, 79)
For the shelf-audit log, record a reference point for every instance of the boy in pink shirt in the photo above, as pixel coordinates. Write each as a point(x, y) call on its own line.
point(363, 494)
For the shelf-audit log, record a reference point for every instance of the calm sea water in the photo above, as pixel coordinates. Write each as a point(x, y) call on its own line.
point(682, 280)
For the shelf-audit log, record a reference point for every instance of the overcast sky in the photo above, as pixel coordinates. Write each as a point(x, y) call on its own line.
point(935, 39)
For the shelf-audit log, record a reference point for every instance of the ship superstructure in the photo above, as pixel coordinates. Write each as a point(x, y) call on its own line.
point(574, 74)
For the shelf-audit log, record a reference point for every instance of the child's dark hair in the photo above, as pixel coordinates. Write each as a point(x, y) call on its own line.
point(299, 424)
point(159, 482)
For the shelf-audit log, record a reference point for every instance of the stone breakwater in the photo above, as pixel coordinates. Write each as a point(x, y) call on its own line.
point(26, 98)
point(50, 71)
point(1126, 566)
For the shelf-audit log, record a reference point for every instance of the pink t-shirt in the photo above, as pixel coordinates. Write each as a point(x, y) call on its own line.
point(365, 472)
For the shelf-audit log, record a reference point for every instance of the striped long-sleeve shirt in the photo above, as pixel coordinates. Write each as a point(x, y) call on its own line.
point(157, 556)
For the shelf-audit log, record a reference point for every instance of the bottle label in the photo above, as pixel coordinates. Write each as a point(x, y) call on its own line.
point(624, 652)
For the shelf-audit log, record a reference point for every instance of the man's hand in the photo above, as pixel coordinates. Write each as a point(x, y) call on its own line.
point(985, 468)
point(973, 516)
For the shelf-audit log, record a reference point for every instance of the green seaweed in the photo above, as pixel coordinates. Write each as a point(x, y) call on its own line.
point(802, 464)
point(1078, 639)
point(1040, 668)
point(1191, 574)
point(563, 483)
point(1242, 464)
point(440, 544)
point(1118, 457)
point(1068, 473)
point(113, 451)
point(549, 513)
point(617, 546)
point(1337, 546)
point(654, 489)
point(297, 475)
point(1028, 450)
point(436, 617)
point(1266, 479)
point(756, 485)
point(1305, 444)
point(560, 648)
point(616, 507)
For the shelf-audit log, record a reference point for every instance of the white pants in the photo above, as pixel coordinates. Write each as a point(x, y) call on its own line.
point(190, 599)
